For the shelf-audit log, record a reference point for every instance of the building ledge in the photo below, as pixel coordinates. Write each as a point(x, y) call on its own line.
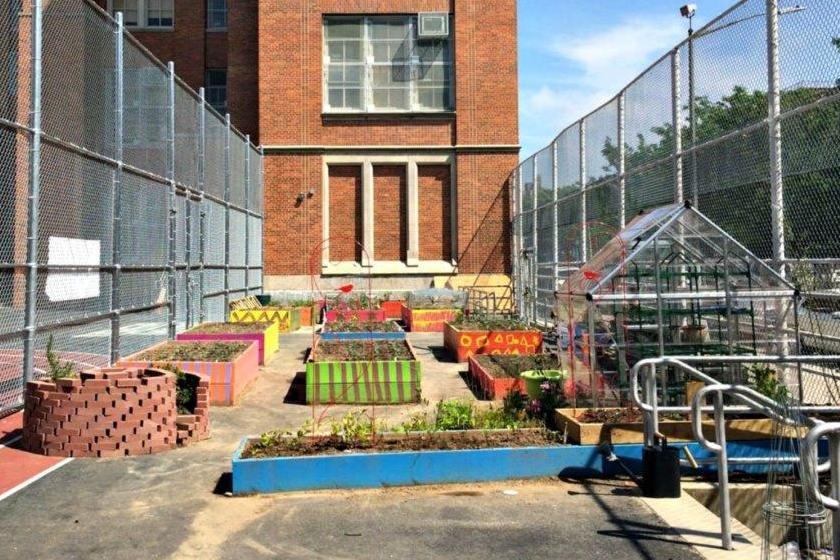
point(350, 268)
point(327, 117)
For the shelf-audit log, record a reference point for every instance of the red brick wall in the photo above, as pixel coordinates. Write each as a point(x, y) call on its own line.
point(390, 232)
point(345, 213)
point(434, 188)
point(243, 94)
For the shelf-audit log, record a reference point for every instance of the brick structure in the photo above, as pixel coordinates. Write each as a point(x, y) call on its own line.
point(110, 412)
point(360, 150)
point(196, 426)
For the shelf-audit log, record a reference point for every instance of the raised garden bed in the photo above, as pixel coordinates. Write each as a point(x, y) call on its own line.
point(285, 319)
point(428, 320)
point(364, 315)
point(465, 338)
point(497, 375)
point(111, 412)
point(621, 425)
point(363, 372)
point(309, 311)
point(362, 330)
point(230, 366)
point(264, 334)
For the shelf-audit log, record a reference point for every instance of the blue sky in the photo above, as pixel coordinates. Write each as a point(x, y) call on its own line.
point(576, 54)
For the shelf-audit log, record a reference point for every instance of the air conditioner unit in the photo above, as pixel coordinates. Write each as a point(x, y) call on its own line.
point(432, 25)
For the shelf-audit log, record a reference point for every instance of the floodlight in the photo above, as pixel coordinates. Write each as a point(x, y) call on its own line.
point(688, 10)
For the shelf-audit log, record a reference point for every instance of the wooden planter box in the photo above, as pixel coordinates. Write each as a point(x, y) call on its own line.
point(227, 379)
point(675, 430)
point(427, 320)
point(372, 315)
point(392, 309)
point(493, 387)
point(283, 317)
point(363, 381)
point(267, 340)
point(462, 344)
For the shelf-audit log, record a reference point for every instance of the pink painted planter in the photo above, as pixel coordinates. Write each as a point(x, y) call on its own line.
point(257, 337)
point(376, 315)
point(228, 380)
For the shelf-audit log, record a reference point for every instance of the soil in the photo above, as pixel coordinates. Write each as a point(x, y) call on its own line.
point(490, 324)
point(361, 326)
point(363, 350)
point(502, 367)
point(216, 328)
point(194, 352)
point(622, 416)
point(330, 445)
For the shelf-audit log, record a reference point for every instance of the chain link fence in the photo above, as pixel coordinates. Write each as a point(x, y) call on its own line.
point(129, 208)
point(742, 120)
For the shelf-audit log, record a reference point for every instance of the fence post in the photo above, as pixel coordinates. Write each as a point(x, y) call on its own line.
point(116, 236)
point(584, 250)
point(34, 194)
point(173, 208)
point(622, 164)
point(536, 242)
point(692, 120)
point(247, 213)
point(679, 194)
point(227, 213)
point(777, 207)
point(556, 230)
point(202, 111)
point(262, 217)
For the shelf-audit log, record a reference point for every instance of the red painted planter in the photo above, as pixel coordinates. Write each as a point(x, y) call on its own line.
point(463, 344)
point(494, 387)
point(427, 320)
point(374, 315)
point(227, 379)
point(392, 309)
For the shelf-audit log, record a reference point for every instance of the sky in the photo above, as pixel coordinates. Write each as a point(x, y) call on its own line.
point(576, 54)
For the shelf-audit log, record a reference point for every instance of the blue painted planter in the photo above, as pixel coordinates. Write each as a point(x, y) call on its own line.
point(333, 336)
point(409, 468)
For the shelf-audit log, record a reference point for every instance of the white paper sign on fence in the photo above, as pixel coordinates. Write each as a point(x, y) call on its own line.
point(69, 286)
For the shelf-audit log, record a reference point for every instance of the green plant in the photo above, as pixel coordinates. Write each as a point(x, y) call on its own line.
point(55, 369)
point(417, 422)
point(354, 428)
point(766, 381)
point(185, 388)
point(514, 402)
point(454, 414)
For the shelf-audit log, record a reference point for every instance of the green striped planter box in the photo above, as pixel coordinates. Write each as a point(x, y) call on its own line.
point(364, 381)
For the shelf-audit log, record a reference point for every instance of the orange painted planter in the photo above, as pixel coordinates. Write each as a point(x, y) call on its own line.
point(427, 320)
point(228, 380)
point(392, 309)
point(494, 387)
point(463, 344)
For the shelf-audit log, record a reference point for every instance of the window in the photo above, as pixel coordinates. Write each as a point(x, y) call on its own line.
point(379, 64)
point(215, 88)
point(152, 14)
point(217, 14)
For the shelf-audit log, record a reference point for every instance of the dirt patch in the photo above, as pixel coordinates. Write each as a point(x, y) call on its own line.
point(216, 328)
point(502, 367)
point(332, 445)
point(362, 326)
point(194, 352)
point(620, 416)
point(490, 324)
point(362, 350)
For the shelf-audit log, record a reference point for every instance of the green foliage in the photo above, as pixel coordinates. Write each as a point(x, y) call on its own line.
point(354, 428)
point(185, 388)
point(194, 352)
point(489, 323)
point(766, 381)
point(56, 370)
point(454, 414)
point(514, 403)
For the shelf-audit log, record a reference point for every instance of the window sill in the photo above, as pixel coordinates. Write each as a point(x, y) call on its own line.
point(216, 30)
point(135, 29)
point(389, 116)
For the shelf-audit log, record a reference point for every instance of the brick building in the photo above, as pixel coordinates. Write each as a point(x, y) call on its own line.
point(389, 126)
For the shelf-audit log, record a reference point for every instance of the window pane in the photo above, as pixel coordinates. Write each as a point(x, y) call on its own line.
point(353, 98)
point(336, 98)
point(341, 28)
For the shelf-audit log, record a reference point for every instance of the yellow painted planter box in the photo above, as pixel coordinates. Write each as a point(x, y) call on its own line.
point(281, 317)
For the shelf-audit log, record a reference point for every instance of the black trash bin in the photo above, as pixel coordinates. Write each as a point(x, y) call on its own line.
point(661, 471)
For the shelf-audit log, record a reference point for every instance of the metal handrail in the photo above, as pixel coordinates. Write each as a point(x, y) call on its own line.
point(809, 450)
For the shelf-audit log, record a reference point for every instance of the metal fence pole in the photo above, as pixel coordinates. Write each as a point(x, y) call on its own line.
point(116, 237)
point(679, 194)
point(535, 249)
point(622, 164)
point(202, 112)
point(227, 213)
point(173, 208)
point(262, 218)
point(584, 251)
point(692, 121)
point(34, 194)
point(247, 214)
point(556, 230)
point(777, 209)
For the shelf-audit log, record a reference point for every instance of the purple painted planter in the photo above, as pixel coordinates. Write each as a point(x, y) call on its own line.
point(257, 337)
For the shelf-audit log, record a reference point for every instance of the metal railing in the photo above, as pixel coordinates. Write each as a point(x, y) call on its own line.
point(739, 119)
point(129, 208)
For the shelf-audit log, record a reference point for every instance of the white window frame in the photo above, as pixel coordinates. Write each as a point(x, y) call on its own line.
point(209, 19)
point(368, 65)
point(143, 17)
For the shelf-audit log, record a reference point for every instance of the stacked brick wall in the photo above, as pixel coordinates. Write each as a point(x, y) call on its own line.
point(196, 426)
point(434, 188)
point(390, 213)
point(345, 212)
point(111, 412)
